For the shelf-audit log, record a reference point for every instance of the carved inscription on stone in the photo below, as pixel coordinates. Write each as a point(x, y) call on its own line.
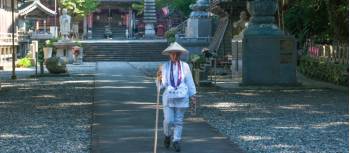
point(286, 51)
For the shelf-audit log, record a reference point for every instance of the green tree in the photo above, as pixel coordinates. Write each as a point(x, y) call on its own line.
point(183, 6)
point(79, 8)
point(323, 20)
point(338, 16)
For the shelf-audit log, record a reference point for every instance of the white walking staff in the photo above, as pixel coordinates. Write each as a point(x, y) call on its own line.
point(157, 116)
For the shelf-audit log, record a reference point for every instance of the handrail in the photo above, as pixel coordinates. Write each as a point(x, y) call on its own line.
point(219, 34)
point(181, 28)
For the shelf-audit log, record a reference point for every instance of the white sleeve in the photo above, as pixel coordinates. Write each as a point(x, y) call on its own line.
point(189, 80)
point(164, 76)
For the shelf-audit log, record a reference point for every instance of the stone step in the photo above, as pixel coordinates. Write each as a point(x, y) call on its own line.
point(99, 32)
point(131, 51)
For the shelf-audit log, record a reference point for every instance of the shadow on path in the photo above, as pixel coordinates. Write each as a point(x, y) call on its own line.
point(124, 115)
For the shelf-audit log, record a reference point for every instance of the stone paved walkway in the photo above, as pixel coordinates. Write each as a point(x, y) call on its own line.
point(124, 115)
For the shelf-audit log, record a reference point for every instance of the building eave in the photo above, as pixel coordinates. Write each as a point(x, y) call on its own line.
point(36, 5)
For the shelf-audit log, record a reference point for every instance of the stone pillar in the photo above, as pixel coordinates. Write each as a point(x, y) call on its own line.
point(269, 57)
point(85, 26)
point(199, 23)
point(89, 26)
point(130, 27)
point(149, 18)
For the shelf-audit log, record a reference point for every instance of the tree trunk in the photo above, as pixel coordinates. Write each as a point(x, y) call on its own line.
point(41, 67)
point(338, 20)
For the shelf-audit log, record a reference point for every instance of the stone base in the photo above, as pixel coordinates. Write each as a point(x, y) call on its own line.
point(198, 27)
point(64, 51)
point(269, 60)
point(149, 31)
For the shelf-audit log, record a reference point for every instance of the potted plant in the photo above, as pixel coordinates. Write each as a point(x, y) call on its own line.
point(197, 62)
point(48, 49)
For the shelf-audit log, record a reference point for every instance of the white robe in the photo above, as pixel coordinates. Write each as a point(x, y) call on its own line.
point(186, 78)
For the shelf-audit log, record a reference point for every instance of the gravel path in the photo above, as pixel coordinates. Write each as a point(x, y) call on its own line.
point(48, 115)
point(308, 119)
point(280, 120)
point(53, 114)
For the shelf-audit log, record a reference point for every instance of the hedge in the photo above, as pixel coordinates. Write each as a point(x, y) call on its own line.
point(321, 70)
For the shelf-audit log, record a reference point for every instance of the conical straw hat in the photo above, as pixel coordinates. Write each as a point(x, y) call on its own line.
point(174, 47)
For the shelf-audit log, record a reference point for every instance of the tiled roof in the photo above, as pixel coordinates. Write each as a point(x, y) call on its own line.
point(30, 7)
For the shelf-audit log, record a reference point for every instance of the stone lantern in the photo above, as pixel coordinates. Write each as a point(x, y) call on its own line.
point(199, 23)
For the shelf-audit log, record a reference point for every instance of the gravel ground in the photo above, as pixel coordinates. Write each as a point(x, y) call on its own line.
point(280, 120)
point(307, 119)
point(48, 115)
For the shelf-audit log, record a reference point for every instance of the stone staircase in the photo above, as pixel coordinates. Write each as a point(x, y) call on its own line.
point(124, 51)
point(118, 32)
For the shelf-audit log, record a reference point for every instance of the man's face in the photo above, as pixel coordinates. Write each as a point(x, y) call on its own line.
point(174, 56)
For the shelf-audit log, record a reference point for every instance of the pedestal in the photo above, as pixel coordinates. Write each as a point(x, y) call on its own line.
point(269, 56)
point(64, 51)
point(269, 60)
point(149, 31)
point(198, 27)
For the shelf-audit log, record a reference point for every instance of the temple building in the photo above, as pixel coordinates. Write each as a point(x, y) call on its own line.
point(38, 20)
point(114, 15)
point(6, 30)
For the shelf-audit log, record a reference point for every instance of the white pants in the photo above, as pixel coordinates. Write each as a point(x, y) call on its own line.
point(173, 122)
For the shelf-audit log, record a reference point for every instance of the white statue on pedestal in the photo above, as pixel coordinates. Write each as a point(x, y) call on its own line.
point(65, 20)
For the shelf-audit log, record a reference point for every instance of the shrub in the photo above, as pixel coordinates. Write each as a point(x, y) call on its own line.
point(24, 63)
point(323, 70)
point(56, 65)
point(170, 35)
point(196, 60)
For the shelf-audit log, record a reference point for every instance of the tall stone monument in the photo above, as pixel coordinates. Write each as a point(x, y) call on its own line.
point(149, 17)
point(269, 56)
point(65, 21)
point(199, 23)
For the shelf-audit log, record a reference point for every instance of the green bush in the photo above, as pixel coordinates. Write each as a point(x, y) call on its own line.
point(325, 71)
point(55, 65)
point(196, 60)
point(170, 35)
point(24, 63)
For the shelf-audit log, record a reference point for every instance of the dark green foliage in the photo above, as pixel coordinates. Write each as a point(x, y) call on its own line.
point(322, 70)
point(40, 57)
point(170, 35)
point(56, 65)
point(79, 8)
point(50, 42)
point(197, 60)
point(183, 6)
point(321, 20)
point(41, 53)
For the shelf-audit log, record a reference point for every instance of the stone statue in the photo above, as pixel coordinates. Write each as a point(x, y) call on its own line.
point(241, 24)
point(65, 20)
